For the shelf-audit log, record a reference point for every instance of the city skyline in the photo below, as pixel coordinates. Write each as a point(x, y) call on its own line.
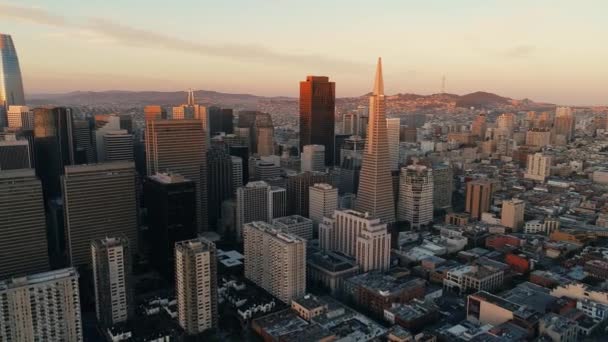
point(479, 50)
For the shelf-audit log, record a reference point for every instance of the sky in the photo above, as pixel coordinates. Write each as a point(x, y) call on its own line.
point(546, 50)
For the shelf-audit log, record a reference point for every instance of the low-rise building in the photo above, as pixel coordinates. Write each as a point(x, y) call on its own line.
point(413, 316)
point(473, 278)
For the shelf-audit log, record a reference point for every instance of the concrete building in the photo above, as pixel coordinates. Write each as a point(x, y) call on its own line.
point(323, 202)
point(104, 124)
point(512, 214)
point(478, 127)
point(473, 278)
point(558, 328)
point(196, 285)
point(539, 167)
point(99, 201)
point(14, 154)
point(117, 146)
point(275, 261)
point(539, 137)
point(563, 124)
point(251, 205)
point(373, 248)
point(313, 158)
point(393, 126)
point(277, 202)
point(506, 123)
point(237, 173)
point(295, 225)
point(478, 197)
point(298, 190)
point(329, 270)
point(111, 261)
point(416, 196)
point(443, 186)
point(20, 117)
point(41, 307)
point(23, 246)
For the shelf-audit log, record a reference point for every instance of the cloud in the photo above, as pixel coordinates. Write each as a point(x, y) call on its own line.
point(135, 37)
point(519, 51)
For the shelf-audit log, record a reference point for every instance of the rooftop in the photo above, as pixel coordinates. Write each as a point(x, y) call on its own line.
point(38, 278)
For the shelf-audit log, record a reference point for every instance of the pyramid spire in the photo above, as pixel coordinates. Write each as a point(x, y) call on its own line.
point(379, 83)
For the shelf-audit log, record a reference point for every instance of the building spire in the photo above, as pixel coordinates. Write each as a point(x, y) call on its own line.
point(379, 83)
point(190, 97)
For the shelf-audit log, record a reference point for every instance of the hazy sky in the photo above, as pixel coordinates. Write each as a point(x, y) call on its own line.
point(547, 50)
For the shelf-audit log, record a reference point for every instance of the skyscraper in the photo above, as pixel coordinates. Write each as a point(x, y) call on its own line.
point(104, 124)
point(416, 196)
point(478, 197)
point(99, 201)
point(85, 152)
point(153, 112)
point(180, 146)
point(275, 260)
point(11, 84)
point(277, 202)
point(443, 186)
point(14, 154)
point(317, 114)
point(170, 201)
point(196, 285)
point(323, 202)
point(111, 259)
point(393, 127)
point(20, 117)
point(118, 146)
point(23, 246)
point(258, 130)
point(41, 307)
point(375, 194)
point(251, 205)
point(242, 152)
point(219, 183)
point(313, 158)
point(564, 123)
point(298, 191)
point(237, 173)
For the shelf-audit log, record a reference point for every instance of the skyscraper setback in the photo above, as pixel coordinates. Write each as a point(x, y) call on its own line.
point(317, 114)
point(375, 183)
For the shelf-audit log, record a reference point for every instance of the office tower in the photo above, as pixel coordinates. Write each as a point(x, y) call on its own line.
point(154, 113)
point(323, 202)
point(277, 202)
point(41, 307)
point(375, 194)
point(118, 146)
point(352, 146)
point(539, 167)
point(539, 137)
point(219, 183)
point(298, 190)
point(478, 128)
point(237, 173)
point(275, 261)
point(251, 204)
point(295, 225)
point(215, 120)
point(126, 122)
point(11, 84)
point(104, 124)
point(564, 123)
point(350, 123)
point(196, 285)
point(317, 114)
point(443, 186)
point(180, 146)
point(14, 154)
point(358, 235)
point(227, 121)
point(265, 170)
point(99, 201)
point(20, 117)
point(416, 196)
point(506, 122)
point(340, 140)
point(85, 152)
point(478, 197)
point(393, 126)
point(257, 129)
point(512, 214)
point(313, 158)
point(170, 200)
point(23, 246)
point(53, 146)
point(242, 152)
point(350, 171)
point(111, 259)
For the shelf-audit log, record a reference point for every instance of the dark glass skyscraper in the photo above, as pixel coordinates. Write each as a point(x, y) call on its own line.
point(219, 183)
point(317, 114)
point(11, 85)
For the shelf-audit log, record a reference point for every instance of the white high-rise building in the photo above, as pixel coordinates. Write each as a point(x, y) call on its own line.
point(275, 261)
point(112, 280)
point(196, 285)
point(393, 126)
point(251, 205)
point(539, 167)
point(313, 158)
point(110, 123)
point(358, 235)
point(323, 201)
point(41, 307)
point(20, 117)
point(416, 196)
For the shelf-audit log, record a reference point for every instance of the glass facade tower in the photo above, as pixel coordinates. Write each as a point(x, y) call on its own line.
point(11, 85)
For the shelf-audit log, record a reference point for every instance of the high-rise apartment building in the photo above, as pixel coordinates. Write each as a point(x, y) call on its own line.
point(478, 197)
point(111, 259)
point(170, 200)
point(563, 123)
point(375, 194)
point(512, 214)
point(539, 167)
point(393, 127)
point(99, 201)
point(416, 196)
point(41, 307)
point(118, 146)
point(196, 285)
point(251, 204)
point(14, 154)
point(20, 117)
point(219, 183)
point(443, 186)
point(323, 202)
point(539, 137)
point(11, 84)
point(275, 260)
point(358, 235)
point(298, 191)
point(317, 114)
point(23, 246)
point(313, 158)
point(180, 146)
point(296, 225)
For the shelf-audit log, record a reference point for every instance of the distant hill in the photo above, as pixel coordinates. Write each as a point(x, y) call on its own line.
point(481, 99)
